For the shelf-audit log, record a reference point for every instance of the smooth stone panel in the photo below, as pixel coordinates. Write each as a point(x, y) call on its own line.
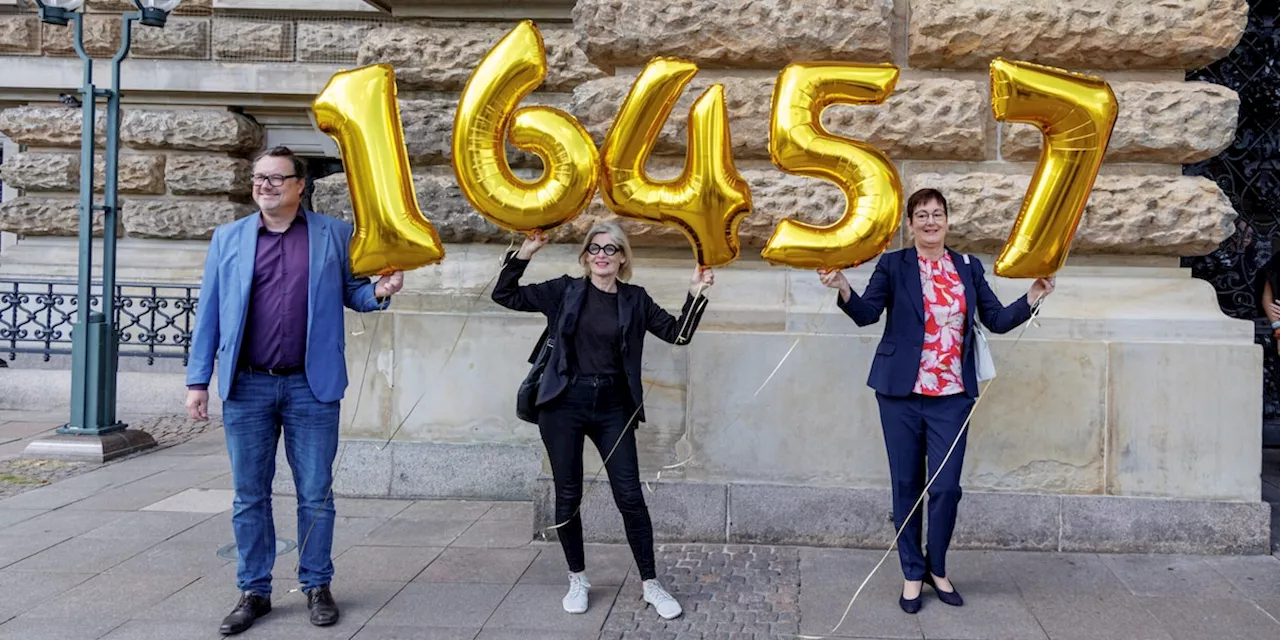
point(1185, 421)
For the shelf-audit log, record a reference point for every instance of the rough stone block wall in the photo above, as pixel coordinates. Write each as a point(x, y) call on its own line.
point(937, 126)
point(181, 172)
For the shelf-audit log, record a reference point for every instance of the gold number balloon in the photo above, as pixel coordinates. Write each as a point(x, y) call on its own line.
point(358, 109)
point(709, 198)
point(1076, 114)
point(799, 144)
point(487, 110)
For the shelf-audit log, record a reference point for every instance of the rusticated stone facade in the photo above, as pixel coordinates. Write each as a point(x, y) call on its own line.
point(937, 125)
point(181, 172)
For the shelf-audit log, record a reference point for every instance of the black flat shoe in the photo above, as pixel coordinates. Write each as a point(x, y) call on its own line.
point(250, 607)
point(948, 597)
point(910, 606)
point(324, 611)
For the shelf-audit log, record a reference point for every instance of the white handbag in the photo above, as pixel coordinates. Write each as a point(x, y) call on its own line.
point(986, 365)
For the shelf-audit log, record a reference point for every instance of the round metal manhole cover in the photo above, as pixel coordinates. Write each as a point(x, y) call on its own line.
point(283, 546)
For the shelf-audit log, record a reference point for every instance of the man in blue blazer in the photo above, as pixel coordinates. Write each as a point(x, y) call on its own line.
point(271, 314)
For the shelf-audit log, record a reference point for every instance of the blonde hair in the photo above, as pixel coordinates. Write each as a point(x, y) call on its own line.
point(619, 237)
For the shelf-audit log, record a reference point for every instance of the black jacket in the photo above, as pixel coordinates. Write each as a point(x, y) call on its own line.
point(637, 313)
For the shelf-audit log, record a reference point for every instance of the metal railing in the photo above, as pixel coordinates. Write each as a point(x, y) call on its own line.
point(153, 320)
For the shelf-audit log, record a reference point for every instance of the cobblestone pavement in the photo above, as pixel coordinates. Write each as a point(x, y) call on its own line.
point(733, 591)
point(18, 475)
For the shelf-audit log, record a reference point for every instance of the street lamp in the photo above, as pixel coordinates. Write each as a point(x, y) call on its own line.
point(94, 432)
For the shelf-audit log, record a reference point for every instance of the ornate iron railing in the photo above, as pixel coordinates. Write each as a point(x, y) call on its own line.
point(153, 320)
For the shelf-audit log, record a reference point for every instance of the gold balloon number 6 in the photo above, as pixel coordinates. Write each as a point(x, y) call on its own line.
point(358, 109)
point(709, 199)
point(487, 111)
point(798, 144)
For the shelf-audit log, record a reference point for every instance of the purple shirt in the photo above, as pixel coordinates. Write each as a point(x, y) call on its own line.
point(275, 331)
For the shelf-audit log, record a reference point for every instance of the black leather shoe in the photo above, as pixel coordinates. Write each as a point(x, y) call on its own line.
point(910, 606)
point(251, 607)
point(949, 597)
point(324, 611)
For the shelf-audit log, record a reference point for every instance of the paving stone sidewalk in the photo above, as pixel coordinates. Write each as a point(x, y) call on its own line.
point(130, 551)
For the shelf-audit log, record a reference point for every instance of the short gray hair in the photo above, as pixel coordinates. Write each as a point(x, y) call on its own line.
point(619, 236)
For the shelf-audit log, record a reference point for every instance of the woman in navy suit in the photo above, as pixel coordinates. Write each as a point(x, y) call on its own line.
point(924, 376)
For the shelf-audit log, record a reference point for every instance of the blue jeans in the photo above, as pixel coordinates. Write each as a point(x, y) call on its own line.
point(256, 410)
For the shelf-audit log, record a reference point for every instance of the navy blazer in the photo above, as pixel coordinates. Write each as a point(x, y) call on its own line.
point(895, 286)
point(561, 300)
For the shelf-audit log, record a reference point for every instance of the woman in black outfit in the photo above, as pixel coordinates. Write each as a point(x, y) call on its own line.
point(591, 386)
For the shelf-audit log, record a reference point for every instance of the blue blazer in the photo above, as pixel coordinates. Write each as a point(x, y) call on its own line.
point(224, 297)
point(895, 287)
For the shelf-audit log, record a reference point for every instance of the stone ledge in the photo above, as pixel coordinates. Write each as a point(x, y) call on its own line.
point(839, 517)
point(680, 511)
point(1111, 524)
point(1087, 34)
point(734, 33)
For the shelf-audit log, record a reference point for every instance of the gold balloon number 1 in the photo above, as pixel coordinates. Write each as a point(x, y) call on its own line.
point(358, 109)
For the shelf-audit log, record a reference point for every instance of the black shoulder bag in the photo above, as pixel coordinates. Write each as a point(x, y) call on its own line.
point(527, 394)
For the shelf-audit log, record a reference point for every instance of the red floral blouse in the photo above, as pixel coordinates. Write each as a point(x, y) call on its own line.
point(944, 314)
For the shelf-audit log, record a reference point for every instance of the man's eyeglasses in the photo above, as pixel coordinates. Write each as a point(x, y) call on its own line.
point(275, 180)
point(608, 249)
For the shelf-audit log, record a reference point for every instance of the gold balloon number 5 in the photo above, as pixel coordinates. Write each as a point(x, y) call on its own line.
point(798, 144)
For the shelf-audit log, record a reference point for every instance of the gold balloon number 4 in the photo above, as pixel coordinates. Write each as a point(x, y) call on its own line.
point(708, 200)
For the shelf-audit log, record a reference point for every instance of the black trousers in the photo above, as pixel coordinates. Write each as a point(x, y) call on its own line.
point(598, 408)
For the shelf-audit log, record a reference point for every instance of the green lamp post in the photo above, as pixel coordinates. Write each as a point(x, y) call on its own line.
point(93, 432)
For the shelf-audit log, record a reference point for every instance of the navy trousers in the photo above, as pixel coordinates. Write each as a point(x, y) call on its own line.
point(919, 428)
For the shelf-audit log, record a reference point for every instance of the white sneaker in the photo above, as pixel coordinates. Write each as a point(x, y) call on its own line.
point(662, 601)
point(576, 600)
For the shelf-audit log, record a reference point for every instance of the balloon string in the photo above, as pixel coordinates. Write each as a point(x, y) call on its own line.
point(337, 464)
point(456, 340)
point(809, 329)
point(699, 304)
point(1035, 311)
